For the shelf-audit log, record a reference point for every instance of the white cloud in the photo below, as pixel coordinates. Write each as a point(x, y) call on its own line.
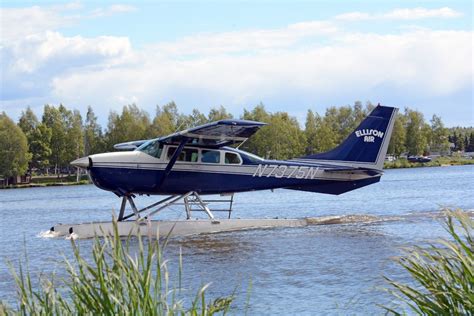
point(122, 8)
point(112, 9)
point(414, 63)
point(16, 23)
point(401, 14)
point(353, 16)
point(306, 62)
point(422, 13)
point(248, 41)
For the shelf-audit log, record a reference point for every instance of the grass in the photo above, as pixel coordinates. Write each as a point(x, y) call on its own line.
point(443, 272)
point(55, 179)
point(119, 280)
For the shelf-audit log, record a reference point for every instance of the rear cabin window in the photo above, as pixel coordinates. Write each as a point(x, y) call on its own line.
point(187, 154)
point(231, 158)
point(153, 148)
point(211, 156)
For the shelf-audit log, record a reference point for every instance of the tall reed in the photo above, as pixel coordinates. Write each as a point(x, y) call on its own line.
point(117, 280)
point(442, 272)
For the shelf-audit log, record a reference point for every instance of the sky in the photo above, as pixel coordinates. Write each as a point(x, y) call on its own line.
point(290, 55)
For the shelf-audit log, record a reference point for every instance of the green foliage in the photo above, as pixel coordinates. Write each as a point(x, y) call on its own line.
point(93, 138)
point(62, 137)
point(416, 136)
point(281, 139)
point(28, 121)
point(40, 148)
point(132, 124)
point(399, 135)
point(319, 135)
point(219, 113)
point(74, 137)
point(118, 280)
point(39, 139)
point(165, 121)
point(439, 135)
point(14, 155)
point(443, 272)
point(462, 138)
point(54, 119)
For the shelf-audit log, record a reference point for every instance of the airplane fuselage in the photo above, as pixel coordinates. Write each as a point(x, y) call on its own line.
point(215, 171)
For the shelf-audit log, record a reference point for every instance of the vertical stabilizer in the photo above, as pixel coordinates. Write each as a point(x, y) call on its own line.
point(367, 145)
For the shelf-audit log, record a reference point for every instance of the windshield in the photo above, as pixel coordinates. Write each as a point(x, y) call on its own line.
point(152, 148)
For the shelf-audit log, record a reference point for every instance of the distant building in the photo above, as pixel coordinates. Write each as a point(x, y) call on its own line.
point(24, 179)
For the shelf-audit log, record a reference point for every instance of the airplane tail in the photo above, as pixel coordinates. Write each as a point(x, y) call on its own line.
point(367, 145)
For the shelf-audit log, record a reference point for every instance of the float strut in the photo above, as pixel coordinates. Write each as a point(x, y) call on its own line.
point(203, 205)
point(122, 208)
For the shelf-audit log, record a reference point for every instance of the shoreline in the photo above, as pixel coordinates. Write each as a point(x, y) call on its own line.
point(399, 164)
point(437, 162)
point(43, 185)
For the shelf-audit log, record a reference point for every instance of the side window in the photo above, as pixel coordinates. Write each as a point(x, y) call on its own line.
point(187, 154)
point(231, 158)
point(153, 149)
point(211, 156)
point(171, 151)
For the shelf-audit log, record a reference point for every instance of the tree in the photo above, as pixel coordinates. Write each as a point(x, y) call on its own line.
point(194, 119)
point(470, 148)
point(132, 124)
point(74, 137)
point(93, 137)
point(28, 122)
point(460, 145)
point(38, 137)
point(281, 139)
point(220, 113)
point(14, 155)
point(397, 142)
point(54, 119)
point(197, 118)
point(40, 147)
point(165, 121)
point(439, 135)
point(319, 135)
point(310, 132)
point(416, 141)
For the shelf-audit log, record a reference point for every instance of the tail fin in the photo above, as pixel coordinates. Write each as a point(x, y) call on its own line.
point(367, 146)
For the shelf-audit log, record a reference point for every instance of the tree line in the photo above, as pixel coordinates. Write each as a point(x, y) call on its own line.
point(62, 134)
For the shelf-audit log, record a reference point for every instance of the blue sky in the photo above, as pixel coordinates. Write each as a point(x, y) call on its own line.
point(290, 55)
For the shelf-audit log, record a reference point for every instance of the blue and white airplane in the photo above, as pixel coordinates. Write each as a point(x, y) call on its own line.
point(200, 161)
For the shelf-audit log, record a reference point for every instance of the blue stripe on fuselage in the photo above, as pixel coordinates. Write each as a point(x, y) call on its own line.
point(124, 180)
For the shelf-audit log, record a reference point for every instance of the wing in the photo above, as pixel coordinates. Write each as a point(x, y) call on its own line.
point(218, 134)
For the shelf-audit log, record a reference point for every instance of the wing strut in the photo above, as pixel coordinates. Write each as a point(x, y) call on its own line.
point(173, 161)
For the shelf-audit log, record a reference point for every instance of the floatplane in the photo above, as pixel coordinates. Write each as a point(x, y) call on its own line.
point(205, 160)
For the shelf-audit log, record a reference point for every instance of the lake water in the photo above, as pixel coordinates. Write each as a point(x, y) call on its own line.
point(331, 269)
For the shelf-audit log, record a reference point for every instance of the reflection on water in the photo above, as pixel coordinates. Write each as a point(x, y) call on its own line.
point(318, 269)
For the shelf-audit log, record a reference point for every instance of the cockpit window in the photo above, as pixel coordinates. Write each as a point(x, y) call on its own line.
point(152, 148)
point(211, 156)
point(187, 154)
point(231, 158)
